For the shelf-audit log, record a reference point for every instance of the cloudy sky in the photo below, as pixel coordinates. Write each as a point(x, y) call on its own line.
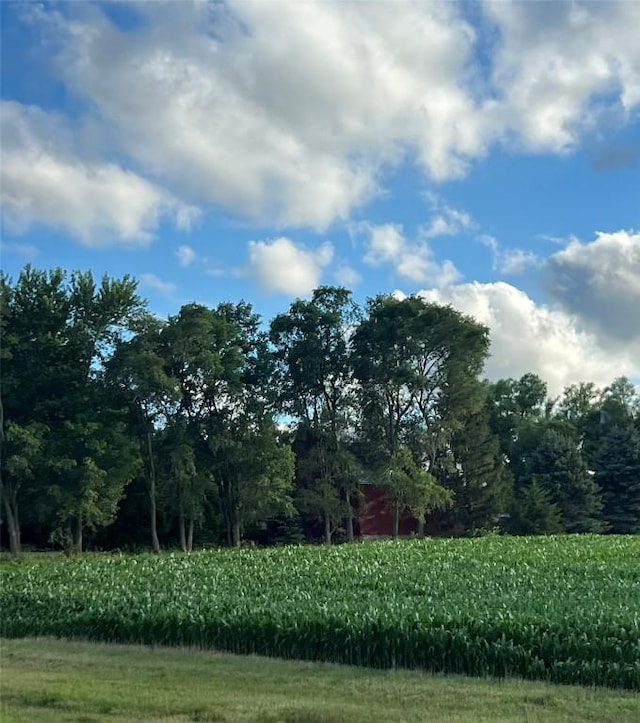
point(485, 154)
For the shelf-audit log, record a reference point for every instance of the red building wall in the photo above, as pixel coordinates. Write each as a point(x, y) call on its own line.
point(376, 517)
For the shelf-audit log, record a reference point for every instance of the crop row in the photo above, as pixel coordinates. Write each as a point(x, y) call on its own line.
point(564, 609)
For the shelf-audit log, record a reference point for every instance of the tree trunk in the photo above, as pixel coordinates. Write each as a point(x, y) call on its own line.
point(153, 513)
point(13, 525)
point(77, 542)
point(421, 528)
point(235, 531)
point(190, 535)
point(350, 535)
point(327, 529)
point(396, 520)
point(181, 530)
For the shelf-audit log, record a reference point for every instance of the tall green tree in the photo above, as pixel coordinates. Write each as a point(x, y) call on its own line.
point(581, 407)
point(188, 483)
point(137, 373)
point(418, 365)
point(479, 475)
point(418, 360)
point(315, 379)
point(254, 472)
point(58, 332)
point(617, 472)
point(328, 479)
point(90, 465)
point(517, 417)
point(221, 434)
point(578, 403)
point(206, 359)
point(561, 470)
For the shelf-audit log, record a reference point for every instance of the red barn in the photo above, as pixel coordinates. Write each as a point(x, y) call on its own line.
point(375, 516)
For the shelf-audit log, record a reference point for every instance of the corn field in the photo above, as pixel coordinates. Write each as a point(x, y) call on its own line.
point(563, 609)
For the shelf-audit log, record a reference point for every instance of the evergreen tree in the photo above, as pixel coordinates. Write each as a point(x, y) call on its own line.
point(617, 470)
point(480, 478)
point(558, 465)
point(535, 513)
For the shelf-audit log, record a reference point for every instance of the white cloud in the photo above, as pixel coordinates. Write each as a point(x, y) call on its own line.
point(559, 66)
point(418, 265)
point(347, 276)
point(99, 203)
point(295, 117)
point(516, 261)
point(386, 243)
point(186, 255)
point(447, 221)
point(153, 282)
point(281, 266)
point(599, 281)
point(272, 114)
point(512, 261)
point(530, 337)
point(490, 242)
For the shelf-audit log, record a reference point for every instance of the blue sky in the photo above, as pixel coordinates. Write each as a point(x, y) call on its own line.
point(485, 155)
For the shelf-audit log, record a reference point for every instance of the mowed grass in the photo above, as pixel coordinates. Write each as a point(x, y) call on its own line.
point(45, 680)
point(561, 609)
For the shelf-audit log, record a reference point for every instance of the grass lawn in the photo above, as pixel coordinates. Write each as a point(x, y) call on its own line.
point(57, 681)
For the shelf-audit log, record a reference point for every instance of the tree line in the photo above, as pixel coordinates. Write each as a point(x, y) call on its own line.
point(121, 429)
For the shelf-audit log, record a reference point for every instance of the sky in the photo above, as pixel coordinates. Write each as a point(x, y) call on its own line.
point(481, 154)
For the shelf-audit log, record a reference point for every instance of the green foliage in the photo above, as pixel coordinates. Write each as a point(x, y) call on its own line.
point(479, 476)
point(562, 472)
point(254, 474)
point(97, 394)
point(562, 609)
point(417, 365)
point(617, 468)
point(315, 381)
point(535, 513)
point(409, 487)
point(417, 362)
point(58, 332)
point(311, 343)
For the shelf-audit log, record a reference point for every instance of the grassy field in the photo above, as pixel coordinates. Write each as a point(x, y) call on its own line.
point(561, 609)
point(52, 681)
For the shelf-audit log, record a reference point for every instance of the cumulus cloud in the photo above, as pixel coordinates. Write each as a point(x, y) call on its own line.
point(296, 118)
point(509, 262)
point(517, 261)
point(599, 281)
point(347, 276)
point(386, 244)
point(186, 255)
point(43, 180)
point(531, 337)
point(272, 114)
point(281, 266)
point(161, 287)
point(559, 66)
point(447, 221)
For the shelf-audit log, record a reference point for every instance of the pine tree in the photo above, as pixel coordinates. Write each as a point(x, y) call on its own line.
point(535, 513)
point(618, 474)
point(562, 472)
